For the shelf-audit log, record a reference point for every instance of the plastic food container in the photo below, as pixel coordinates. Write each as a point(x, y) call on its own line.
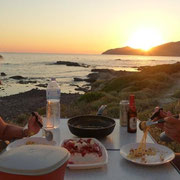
point(34, 162)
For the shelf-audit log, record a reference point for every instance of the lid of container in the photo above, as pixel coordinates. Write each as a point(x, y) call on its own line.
point(33, 159)
point(124, 102)
point(53, 79)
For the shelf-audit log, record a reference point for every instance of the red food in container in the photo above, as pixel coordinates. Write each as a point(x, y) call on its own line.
point(34, 162)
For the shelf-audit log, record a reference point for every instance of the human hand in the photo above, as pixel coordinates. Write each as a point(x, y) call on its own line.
point(33, 126)
point(172, 128)
point(161, 114)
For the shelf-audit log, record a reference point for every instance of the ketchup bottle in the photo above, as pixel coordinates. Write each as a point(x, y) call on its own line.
point(132, 116)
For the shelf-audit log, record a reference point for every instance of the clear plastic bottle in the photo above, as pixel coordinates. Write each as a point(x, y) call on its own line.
point(53, 104)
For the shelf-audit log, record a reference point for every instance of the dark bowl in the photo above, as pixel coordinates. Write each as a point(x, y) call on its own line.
point(91, 126)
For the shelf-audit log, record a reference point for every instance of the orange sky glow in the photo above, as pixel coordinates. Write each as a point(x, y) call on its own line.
point(87, 27)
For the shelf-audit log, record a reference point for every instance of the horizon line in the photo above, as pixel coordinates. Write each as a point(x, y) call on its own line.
point(48, 53)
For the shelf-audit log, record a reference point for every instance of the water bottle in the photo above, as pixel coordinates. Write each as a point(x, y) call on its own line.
point(53, 104)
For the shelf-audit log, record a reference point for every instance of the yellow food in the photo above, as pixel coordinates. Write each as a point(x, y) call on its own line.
point(141, 151)
point(30, 142)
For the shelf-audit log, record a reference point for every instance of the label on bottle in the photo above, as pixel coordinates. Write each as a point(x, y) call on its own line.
point(53, 93)
point(133, 123)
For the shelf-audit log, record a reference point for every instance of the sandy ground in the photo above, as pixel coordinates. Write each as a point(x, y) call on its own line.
point(14, 105)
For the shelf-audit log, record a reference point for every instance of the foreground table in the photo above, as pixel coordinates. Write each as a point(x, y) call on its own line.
point(120, 169)
point(117, 167)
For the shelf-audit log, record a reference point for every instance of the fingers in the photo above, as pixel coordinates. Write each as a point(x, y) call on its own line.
point(158, 114)
point(173, 135)
point(171, 125)
point(171, 120)
point(162, 114)
point(33, 125)
point(33, 120)
point(169, 113)
point(170, 131)
point(172, 128)
point(39, 117)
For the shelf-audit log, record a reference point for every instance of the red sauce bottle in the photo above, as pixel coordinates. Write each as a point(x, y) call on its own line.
point(132, 116)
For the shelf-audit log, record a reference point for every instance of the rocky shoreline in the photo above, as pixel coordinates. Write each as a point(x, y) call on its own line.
point(24, 103)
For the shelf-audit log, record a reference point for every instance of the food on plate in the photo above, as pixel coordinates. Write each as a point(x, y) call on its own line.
point(141, 152)
point(134, 153)
point(30, 142)
point(83, 151)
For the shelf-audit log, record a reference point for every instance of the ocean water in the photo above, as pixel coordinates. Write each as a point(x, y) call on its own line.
point(38, 67)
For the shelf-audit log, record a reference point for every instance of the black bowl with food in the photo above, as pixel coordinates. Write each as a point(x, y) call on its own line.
point(91, 126)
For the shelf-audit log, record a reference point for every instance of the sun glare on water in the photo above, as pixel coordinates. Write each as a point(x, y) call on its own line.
point(145, 38)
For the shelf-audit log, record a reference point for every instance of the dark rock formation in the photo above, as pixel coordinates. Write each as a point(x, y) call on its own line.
point(42, 85)
point(27, 82)
point(92, 77)
point(3, 74)
point(168, 49)
point(17, 77)
point(78, 79)
point(67, 63)
point(105, 74)
point(1, 57)
point(84, 89)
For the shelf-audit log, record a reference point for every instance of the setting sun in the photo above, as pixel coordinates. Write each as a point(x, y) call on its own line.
point(145, 38)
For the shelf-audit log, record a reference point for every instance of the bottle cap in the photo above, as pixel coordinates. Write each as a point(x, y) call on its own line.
point(53, 79)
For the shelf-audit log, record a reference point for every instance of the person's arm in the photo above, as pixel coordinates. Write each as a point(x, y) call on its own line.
point(14, 132)
point(10, 131)
point(162, 114)
point(172, 128)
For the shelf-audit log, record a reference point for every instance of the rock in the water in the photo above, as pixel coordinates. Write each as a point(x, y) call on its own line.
point(27, 82)
point(42, 85)
point(92, 77)
point(68, 63)
point(1, 57)
point(3, 74)
point(17, 77)
point(84, 89)
point(78, 79)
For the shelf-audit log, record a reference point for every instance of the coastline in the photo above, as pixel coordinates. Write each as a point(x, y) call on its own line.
point(24, 103)
point(152, 86)
point(107, 86)
point(12, 107)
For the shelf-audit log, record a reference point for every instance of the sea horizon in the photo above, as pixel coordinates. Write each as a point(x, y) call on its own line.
point(38, 68)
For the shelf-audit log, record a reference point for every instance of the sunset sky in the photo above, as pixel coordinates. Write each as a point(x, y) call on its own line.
point(86, 26)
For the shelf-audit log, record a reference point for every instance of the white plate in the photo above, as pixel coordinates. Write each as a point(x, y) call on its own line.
point(90, 165)
point(161, 150)
point(37, 140)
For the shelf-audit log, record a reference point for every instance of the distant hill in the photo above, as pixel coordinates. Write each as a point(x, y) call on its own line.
point(168, 49)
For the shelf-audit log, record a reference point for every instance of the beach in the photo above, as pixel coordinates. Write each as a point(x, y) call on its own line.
point(24, 103)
